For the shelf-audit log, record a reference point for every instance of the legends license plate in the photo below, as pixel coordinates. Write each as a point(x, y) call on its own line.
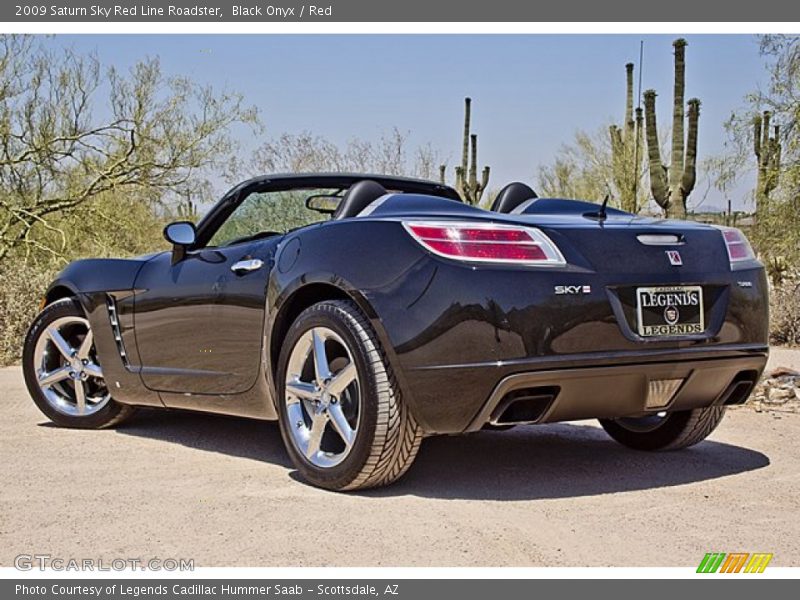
point(669, 311)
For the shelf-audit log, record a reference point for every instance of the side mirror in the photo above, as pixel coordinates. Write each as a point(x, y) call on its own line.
point(182, 235)
point(323, 203)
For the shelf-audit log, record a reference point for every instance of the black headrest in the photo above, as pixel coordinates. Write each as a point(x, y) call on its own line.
point(358, 197)
point(511, 196)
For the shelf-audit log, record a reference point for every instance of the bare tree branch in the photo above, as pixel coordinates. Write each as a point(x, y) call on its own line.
point(157, 135)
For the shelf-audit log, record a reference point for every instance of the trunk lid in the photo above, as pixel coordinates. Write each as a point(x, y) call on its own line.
point(636, 244)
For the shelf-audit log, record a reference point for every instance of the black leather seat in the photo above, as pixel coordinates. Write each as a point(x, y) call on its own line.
point(511, 196)
point(357, 198)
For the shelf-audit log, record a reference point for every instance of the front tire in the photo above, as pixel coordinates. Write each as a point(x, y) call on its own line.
point(62, 372)
point(342, 416)
point(665, 431)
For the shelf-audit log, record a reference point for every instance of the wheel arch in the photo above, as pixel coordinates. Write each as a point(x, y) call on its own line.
point(62, 289)
point(300, 299)
point(59, 291)
point(311, 290)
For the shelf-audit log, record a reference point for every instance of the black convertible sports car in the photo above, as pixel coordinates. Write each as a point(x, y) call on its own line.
point(365, 312)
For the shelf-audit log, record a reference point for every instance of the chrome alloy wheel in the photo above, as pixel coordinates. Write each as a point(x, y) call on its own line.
point(323, 397)
point(66, 368)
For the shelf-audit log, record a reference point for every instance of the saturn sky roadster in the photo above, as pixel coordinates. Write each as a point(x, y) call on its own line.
point(366, 312)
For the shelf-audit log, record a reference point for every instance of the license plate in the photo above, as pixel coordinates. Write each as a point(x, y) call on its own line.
point(669, 311)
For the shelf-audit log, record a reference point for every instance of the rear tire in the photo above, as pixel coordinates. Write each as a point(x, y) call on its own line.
point(342, 416)
point(673, 431)
point(62, 372)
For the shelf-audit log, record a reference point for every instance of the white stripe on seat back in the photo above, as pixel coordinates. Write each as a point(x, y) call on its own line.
point(521, 208)
point(370, 208)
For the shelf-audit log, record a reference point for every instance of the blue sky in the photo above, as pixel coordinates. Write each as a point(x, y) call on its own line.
point(530, 92)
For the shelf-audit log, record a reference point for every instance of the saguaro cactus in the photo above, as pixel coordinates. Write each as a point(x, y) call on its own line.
point(187, 209)
point(671, 186)
point(467, 184)
point(768, 154)
point(626, 142)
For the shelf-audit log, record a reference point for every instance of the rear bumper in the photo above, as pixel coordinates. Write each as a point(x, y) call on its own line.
point(618, 391)
point(460, 398)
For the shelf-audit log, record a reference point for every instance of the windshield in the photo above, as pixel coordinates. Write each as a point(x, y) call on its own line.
point(264, 214)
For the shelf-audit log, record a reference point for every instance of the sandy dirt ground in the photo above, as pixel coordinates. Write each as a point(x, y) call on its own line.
point(222, 492)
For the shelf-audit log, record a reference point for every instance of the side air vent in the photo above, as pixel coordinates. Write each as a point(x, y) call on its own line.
point(526, 405)
point(115, 328)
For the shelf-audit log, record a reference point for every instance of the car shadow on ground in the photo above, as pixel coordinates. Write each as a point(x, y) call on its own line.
point(243, 438)
point(562, 460)
point(547, 461)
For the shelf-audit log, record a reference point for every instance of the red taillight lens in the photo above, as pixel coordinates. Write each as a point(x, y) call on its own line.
point(489, 242)
point(469, 234)
point(486, 251)
point(739, 248)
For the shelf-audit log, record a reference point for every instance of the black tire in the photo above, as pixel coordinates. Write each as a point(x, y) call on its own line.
point(675, 431)
point(388, 436)
point(113, 413)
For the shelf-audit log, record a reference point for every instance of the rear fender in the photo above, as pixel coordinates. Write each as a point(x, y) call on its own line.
point(380, 284)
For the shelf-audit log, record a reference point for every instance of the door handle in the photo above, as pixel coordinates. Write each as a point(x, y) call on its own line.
point(247, 265)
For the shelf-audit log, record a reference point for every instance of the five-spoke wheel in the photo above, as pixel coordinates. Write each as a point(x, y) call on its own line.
point(342, 415)
point(66, 367)
point(62, 372)
point(322, 397)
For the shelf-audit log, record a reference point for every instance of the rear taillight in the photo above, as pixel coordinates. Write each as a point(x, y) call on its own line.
point(486, 242)
point(739, 249)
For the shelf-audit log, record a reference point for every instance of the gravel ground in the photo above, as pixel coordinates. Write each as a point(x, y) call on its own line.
point(221, 491)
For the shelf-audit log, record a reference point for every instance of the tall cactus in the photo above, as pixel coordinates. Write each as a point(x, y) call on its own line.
point(768, 154)
point(187, 210)
point(671, 186)
point(626, 142)
point(467, 184)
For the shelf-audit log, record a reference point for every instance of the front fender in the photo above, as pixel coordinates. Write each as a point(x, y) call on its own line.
point(92, 282)
point(98, 275)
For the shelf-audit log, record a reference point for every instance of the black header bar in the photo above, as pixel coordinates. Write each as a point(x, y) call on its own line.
point(333, 11)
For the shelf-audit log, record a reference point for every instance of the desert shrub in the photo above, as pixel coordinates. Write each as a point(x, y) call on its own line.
point(20, 292)
point(784, 318)
point(109, 225)
point(92, 161)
